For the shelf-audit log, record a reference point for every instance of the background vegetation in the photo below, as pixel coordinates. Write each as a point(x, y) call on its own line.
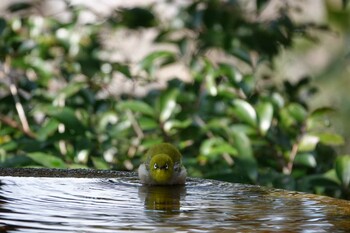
point(232, 121)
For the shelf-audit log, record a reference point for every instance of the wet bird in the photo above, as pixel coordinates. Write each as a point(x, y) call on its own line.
point(163, 166)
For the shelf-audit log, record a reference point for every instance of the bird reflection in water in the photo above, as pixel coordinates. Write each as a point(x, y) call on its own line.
point(162, 198)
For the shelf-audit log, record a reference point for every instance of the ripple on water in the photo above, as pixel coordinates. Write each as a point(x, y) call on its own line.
point(122, 204)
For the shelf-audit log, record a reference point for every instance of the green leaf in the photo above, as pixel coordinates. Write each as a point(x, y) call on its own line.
point(16, 161)
point(305, 159)
point(106, 118)
point(260, 4)
point(2, 25)
point(47, 129)
point(308, 143)
point(342, 168)
point(147, 123)
point(210, 83)
point(176, 124)
point(247, 84)
point(323, 181)
point(216, 146)
point(66, 116)
point(162, 57)
point(297, 111)
point(332, 175)
point(137, 106)
point(210, 76)
point(100, 163)
point(277, 100)
point(321, 112)
point(71, 89)
point(246, 159)
point(19, 6)
point(245, 112)
point(244, 128)
point(47, 160)
point(26, 46)
point(167, 104)
point(8, 146)
point(265, 114)
point(242, 55)
point(124, 69)
point(231, 73)
point(331, 139)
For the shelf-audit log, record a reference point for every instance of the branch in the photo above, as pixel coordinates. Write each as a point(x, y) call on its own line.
point(12, 123)
point(293, 153)
point(135, 124)
point(14, 92)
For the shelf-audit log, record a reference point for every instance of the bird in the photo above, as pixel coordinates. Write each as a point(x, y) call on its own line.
point(163, 166)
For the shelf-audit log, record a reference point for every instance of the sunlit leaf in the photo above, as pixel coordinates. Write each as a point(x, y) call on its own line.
point(209, 77)
point(331, 139)
point(265, 114)
point(342, 168)
point(210, 82)
point(107, 118)
point(308, 143)
point(245, 112)
point(176, 124)
point(167, 104)
point(305, 159)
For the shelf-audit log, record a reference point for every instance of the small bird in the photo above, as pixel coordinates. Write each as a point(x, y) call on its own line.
point(163, 166)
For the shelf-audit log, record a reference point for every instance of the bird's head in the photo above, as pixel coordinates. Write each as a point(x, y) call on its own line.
point(161, 168)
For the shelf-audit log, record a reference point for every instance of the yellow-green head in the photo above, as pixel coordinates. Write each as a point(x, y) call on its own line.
point(163, 166)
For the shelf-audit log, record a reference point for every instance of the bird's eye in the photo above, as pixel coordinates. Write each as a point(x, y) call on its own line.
point(166, 167)
point(155, 166)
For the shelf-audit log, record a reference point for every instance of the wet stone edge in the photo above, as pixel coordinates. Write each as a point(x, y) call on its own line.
point(64, 173)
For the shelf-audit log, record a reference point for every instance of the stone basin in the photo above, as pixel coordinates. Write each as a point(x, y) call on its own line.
point(52, 200)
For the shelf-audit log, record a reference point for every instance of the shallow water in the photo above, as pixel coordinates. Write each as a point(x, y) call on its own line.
point(29, 204)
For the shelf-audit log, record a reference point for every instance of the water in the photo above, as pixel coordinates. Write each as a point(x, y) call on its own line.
point(38, 204)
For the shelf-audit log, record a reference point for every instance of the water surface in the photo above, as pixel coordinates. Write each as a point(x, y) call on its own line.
point(51, 204)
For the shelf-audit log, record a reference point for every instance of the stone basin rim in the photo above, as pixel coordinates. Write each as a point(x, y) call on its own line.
point(105, 174)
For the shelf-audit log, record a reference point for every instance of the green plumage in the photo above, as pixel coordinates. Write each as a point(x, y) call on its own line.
point(164, 148)
point(163, 166)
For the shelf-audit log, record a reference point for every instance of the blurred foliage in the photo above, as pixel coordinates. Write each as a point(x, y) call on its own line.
point(229, 122)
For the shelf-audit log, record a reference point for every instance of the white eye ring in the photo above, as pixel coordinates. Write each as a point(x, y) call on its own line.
point(166, 166)
point(155, 166)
